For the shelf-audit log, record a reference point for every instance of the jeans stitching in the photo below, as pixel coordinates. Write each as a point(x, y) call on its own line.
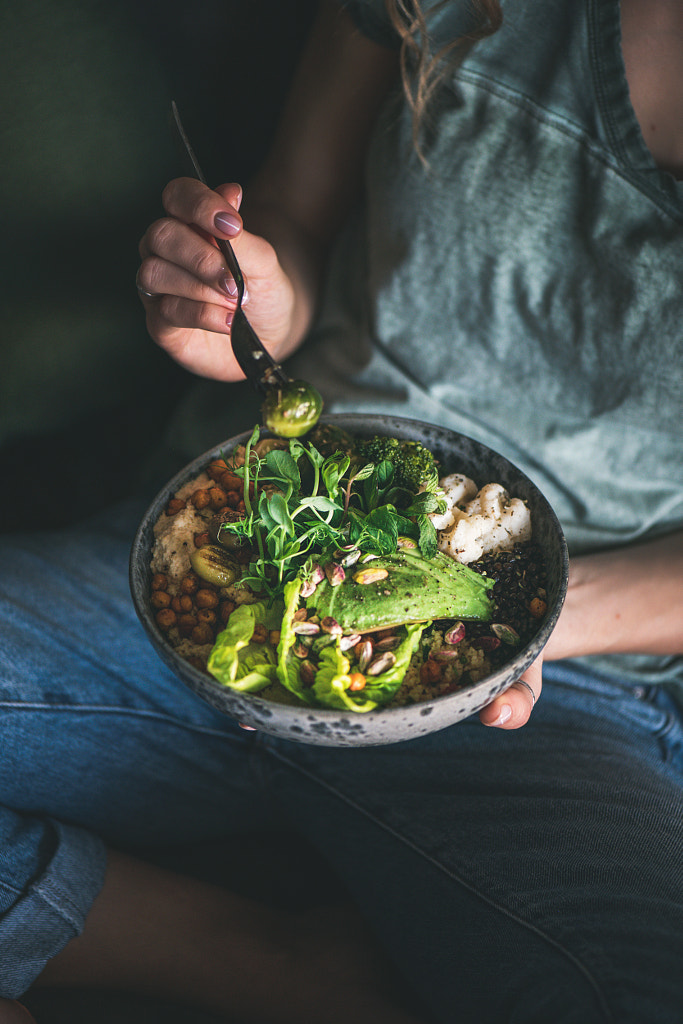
point(555, 943)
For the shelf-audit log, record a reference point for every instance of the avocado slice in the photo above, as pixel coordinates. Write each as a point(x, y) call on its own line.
point(415, 589)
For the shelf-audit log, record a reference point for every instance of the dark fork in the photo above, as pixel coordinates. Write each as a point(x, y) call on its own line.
point(254, 361)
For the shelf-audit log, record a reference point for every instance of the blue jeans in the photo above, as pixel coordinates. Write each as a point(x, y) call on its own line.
point(531, 876)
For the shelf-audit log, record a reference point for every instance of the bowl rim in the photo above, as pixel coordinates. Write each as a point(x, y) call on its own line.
point(291, 713)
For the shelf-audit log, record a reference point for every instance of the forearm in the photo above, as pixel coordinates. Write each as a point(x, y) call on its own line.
point(624, 601)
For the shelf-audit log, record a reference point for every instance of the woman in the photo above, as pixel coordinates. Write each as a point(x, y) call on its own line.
point(519, 234)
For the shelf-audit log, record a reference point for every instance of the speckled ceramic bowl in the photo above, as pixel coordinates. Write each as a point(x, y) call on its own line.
point(456, 453)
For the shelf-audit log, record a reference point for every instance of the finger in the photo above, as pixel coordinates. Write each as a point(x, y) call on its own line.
point(142, 292)
point(157, 277)
point(213, 211)
point(512, 709)
point(173, 242)
point(171, 313)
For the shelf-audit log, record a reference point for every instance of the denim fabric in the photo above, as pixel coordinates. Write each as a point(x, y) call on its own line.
point(527, 876)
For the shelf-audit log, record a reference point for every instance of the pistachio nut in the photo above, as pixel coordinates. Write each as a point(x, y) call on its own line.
point(305, 628)
point(371, 575)
point(381, 663)
point(348, 641)
point(307, 672)
point(455, 634)
point(335, 573)
point(505, 633)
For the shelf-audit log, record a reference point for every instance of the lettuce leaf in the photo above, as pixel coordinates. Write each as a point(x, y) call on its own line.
point(382, 688)
point(288, 663)
point(237, 662)
point(332, 681)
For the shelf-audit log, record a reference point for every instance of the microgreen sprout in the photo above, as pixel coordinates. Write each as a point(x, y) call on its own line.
point(308, 505)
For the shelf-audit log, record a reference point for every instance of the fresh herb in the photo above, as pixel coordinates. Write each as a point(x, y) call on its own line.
point(345, 501)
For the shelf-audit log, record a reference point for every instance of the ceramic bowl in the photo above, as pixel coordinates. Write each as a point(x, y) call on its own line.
point(456, 453)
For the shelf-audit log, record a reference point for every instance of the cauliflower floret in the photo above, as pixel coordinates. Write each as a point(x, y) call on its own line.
point(492, 521)
point(454, 489)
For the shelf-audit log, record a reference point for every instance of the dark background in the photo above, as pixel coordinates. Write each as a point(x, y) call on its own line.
point(90, 409)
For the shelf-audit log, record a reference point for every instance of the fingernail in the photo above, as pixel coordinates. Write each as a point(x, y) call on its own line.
point(504, 715)
point(229, 317)
point(228, 285)
point(227, 223)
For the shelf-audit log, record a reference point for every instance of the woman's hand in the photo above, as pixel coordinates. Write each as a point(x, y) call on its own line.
point(512, 709)
point(187, 291)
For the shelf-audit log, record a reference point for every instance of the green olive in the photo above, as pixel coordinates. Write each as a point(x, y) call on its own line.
point(215, 565)
point(292, 409)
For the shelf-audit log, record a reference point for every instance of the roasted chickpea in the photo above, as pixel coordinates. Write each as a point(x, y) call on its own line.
point(202, 634)
point(218, 498)
point(200, 498)
point(189, 584)
point(207, 615)
point(174, 506)
point(206, 598)
point(186, 623)
point(166, 619)
point(216, 469)
point(159, 581)
point(182, 604)
point(160, 599)
point(201, 539)
point(230, 482)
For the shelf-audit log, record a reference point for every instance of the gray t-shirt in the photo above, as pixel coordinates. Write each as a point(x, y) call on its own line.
point(526, 289)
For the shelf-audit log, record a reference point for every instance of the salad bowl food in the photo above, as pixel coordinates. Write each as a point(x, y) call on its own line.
point(297, 586)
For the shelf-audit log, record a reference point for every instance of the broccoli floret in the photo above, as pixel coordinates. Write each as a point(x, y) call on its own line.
point(413, 463)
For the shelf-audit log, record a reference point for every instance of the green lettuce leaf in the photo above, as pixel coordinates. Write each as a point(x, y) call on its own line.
point(332, 678)
point(237, 662)
point(331, 686)
point(382, 688)
point(288, 663)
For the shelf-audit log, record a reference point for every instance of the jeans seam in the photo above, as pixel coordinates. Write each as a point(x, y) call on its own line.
point(554, 943)
point(35, 892)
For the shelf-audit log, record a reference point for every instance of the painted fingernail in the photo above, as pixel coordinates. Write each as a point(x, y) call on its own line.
point(229, 317)
point(227, 223)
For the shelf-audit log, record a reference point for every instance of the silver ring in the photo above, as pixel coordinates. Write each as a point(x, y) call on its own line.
point(521, 682)
point(148, 295)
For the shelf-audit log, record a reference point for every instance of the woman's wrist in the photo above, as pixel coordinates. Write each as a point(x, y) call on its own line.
point(626, 601)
